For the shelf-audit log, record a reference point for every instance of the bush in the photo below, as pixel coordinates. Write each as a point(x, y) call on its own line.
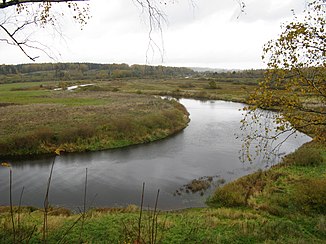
point(237, 193)
point(305, 156)
point(230, 195)
point(213, 85)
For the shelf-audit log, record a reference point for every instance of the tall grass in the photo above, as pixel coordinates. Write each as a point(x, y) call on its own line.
point(147, 231)
point(11, 207)
point(46, 205)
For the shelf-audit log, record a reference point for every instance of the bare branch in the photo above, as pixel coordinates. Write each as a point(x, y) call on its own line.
point(7, 4)
point(18, 44)
point(22, 26)
point(156, 18)
point(18, 22)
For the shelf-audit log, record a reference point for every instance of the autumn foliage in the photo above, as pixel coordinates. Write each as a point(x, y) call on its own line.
point(294, 83)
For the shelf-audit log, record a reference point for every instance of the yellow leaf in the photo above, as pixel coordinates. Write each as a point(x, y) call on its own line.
point(6, 164)
point(58, 151)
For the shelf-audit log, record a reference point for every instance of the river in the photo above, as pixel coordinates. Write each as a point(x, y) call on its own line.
point(207, 147)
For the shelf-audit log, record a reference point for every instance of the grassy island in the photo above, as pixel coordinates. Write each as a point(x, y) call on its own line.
point(35, 119)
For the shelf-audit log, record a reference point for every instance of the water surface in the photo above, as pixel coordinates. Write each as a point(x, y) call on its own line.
point(207, 147)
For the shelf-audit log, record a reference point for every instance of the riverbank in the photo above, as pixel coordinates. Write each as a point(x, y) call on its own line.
point(285, 204)
point(38, 121)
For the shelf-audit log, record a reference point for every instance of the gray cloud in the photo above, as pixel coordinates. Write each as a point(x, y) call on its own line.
point(207, 34)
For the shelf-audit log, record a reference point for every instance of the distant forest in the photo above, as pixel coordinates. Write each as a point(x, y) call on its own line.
point(71, 71)
point(86, 71)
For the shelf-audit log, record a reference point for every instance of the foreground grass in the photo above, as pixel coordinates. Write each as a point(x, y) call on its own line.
point(223, 225)
point(36, 120)
point(285, 204)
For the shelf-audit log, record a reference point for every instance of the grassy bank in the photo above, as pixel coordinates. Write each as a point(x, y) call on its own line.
point(36, 120)
point(285, 204)
point(296, 185)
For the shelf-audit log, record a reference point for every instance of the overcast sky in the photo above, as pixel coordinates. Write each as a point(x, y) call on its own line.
point(207, 33)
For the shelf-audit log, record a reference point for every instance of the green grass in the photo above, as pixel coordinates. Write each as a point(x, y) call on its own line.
point(222, 225)
point(295, 186)
point(42, 92)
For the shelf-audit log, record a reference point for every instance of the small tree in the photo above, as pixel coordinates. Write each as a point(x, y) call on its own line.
point(212, 85)
point(294, 84)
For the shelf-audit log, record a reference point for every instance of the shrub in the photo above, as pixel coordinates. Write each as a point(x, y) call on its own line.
point(305, 156)
point(212, 85)
point(230, 195)
point(237, 193)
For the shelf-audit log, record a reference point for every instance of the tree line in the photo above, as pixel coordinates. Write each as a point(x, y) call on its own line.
point(66, 70)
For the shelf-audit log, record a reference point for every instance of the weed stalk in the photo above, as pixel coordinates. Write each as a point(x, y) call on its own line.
point(46, 204)
point(11, 207)
point(84, 209)
point(155, 215)
point(19, 209)
point(140, 213)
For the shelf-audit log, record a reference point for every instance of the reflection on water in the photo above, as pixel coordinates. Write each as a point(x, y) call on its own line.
point(207, 147)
